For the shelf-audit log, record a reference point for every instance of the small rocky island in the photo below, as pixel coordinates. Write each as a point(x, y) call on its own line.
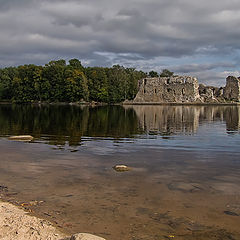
point(185, 89)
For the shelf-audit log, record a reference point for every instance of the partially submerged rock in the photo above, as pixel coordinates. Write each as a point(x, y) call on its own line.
point(121, 168)
point(21, 138)
point(85, 236)
point(231, 213)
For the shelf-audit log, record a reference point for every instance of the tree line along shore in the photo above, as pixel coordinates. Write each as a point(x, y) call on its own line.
point(59, 81)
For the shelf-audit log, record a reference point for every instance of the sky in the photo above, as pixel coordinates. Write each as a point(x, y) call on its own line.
point(200, 38)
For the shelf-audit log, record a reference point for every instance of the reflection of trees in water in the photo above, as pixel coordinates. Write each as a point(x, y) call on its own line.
point(61, 124)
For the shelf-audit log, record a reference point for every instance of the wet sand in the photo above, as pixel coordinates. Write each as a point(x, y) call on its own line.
point(169, 193)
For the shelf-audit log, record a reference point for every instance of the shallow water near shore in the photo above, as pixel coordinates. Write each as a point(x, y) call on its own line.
point(185, 160)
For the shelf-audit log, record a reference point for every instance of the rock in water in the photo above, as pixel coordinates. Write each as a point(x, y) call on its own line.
point(85, 236)
point(21, 138)
point(121, 168)
point(231, 213)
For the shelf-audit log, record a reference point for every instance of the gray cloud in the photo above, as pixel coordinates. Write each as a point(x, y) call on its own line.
point(140, 33)
point(201, 67)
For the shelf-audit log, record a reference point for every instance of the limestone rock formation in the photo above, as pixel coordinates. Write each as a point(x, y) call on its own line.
point(168, 89)
point(185, 89)
point(208, 93)
point(232, 89)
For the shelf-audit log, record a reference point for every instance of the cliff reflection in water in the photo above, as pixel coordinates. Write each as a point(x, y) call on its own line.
point(60, 124)
point(167, 120)
point(171, 120)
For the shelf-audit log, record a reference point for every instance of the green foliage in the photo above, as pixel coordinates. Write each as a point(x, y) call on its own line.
point(166, 73)
point(98, 84)
point(68, 123)
point(75, 63)
point(58, 81)
point(6, 83)
point(153, 74)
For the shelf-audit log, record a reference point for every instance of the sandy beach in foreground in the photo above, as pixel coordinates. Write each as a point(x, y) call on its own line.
point(15, 223)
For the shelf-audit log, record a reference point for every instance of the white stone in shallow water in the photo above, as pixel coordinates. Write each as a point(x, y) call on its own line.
point(121, 168)
point(85, 236)
point(21, 138)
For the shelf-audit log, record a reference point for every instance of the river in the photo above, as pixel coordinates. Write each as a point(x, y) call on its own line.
point(184, 181)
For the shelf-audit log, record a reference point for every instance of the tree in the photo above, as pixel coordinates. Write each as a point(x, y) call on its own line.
point(76, 64)
point(153, 74)
point(98, 84)
point(58, 81)
point(76, 82)
point(76, 85)
point(6, 83)
point(166, 73)
point(54, 77)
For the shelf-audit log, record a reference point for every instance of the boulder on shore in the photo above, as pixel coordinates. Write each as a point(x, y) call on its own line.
point(21, 138)
point(85, 236)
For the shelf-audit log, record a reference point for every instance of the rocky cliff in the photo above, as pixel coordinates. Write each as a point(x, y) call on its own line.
point(185, 89)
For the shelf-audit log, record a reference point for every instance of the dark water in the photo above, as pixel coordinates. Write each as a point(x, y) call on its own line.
point(185, 178)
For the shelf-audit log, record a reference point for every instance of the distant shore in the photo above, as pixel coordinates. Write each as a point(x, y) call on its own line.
point(185, 103)
point(125, 103)
point(56, 103)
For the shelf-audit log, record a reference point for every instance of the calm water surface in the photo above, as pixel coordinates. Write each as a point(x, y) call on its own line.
point(185, 178)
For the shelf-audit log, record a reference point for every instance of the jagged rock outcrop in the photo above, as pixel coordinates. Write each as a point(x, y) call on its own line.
point(168, 89)
point(210, 94)
point(185, 89)
point(232, 89)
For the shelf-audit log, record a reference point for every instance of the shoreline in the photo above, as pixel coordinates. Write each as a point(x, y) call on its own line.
point(16, 223)
point(96, 104)
point(181, 104)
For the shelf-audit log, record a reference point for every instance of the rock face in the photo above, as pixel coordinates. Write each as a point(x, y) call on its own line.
point(185, 89)
point(232, 89)
point(85, 236)
point(209, 94)
point(168, 89)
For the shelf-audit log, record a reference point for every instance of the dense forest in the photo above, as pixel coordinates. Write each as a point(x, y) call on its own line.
point(59, 81)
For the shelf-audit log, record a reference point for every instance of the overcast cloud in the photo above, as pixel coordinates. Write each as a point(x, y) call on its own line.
point(199, 38)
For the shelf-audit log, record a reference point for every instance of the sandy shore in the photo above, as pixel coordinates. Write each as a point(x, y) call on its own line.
point(15, 223)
